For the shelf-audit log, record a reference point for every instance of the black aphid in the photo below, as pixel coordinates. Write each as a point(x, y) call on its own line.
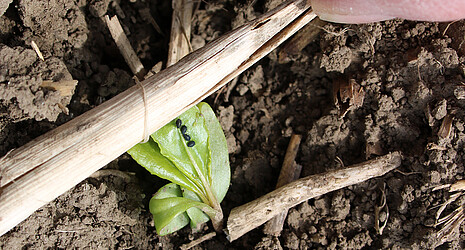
point(183, 129)
point(178, 123)
point(190, 144)
point(186, 137)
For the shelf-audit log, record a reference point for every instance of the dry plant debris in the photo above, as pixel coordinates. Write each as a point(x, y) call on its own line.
point(381, 213)
point(434, 146)
point(347, 94)
point(124, 46)
point(446, 125)
point(145, 14)
point(198, 241)
point(64, 87)
point(299, 41)
point(290, 171)
point(180, 36)
point(451, 222)
point(37, 50)
point(244, 218)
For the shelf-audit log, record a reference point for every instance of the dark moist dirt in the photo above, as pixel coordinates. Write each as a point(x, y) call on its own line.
point(410, 73)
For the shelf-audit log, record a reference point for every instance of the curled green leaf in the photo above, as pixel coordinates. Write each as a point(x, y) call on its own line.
point(196, 216)
point(166, 209)
point(177, 222)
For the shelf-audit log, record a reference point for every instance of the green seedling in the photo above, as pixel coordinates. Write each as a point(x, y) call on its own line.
point(192, 153)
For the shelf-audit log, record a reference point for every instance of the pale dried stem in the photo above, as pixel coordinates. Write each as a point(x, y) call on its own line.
point(198, 241)
point(145, 14)
point(51, 164)
point(179, 45)
point(290, 171)
point(124, 46)
point(253, 214)
point(64, 87)
point(453, 220)
point(37, 50)
point(297, 43)
point(106, 172)
point(441, 209)
point(451, 223)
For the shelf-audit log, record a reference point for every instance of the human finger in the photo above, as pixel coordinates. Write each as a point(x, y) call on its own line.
point(364, 11)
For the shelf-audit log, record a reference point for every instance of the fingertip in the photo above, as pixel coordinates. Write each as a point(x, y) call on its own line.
point(348, 11)
point(352, 19)
point(363, 11)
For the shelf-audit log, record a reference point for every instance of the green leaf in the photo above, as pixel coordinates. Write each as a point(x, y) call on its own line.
point(196, 216)
point(181, 220)
point(148, 155)
point(220, 170)
point(166, 209)
point(173, 146)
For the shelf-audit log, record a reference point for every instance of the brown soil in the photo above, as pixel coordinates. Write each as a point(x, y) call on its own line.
point(411, 74)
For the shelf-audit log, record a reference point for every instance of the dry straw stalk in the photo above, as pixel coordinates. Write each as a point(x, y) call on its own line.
point(253, 214)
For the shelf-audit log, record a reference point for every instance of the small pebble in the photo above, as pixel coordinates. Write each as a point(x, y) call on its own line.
point(190, 144)
point(186, 137)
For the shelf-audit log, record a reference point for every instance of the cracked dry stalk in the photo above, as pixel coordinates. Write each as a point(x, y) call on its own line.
point(253, 214)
